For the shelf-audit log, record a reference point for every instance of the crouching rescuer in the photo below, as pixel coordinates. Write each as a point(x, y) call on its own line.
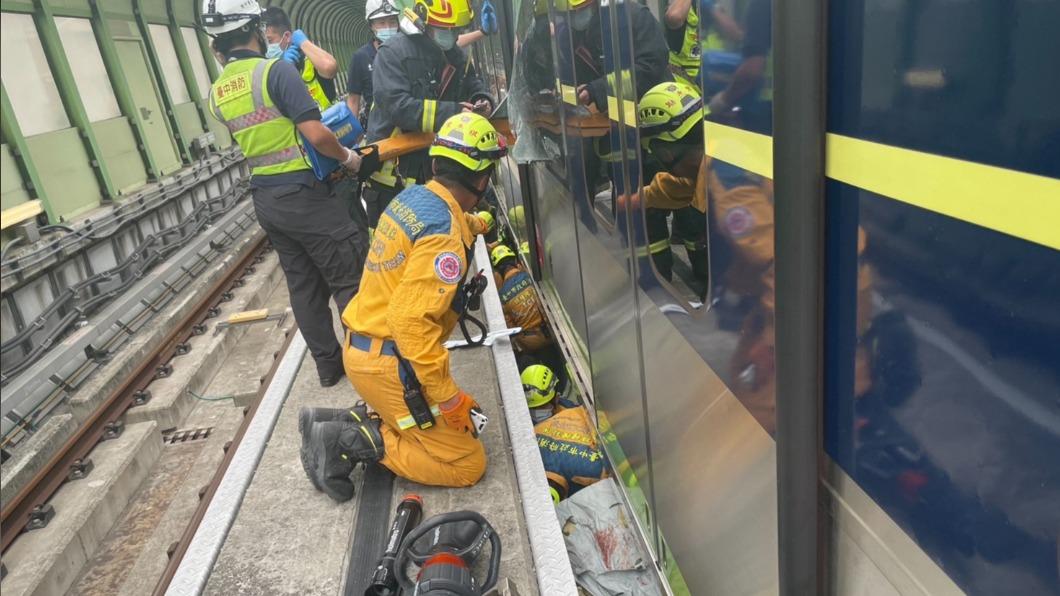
point(423, 427)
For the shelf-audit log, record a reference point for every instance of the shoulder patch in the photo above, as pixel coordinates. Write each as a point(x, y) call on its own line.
point(739, 221)
point(447, 267)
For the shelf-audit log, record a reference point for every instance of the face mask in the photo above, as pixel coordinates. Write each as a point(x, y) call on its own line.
point(445, 38)
point(273, 51)
point(385, 33)
point(580, 19)
point(540, 414)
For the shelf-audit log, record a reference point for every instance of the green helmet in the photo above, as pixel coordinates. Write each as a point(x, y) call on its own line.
point(470, 140)
point(499, 253)
point(539, 385)
point(668, 111)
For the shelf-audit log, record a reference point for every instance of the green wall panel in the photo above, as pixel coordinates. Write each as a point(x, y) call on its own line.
point(224, 139)
point(12, 190)
point(187, 115)
point(70, 186)
point(185, 11)
point(155, 11)
point(123, 160)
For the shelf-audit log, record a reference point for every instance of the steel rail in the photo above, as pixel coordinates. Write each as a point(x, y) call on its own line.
point(177, 555)
point(19, 510)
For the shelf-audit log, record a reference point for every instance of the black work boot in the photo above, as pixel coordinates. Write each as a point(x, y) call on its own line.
point(335, 448)
point(309, 416)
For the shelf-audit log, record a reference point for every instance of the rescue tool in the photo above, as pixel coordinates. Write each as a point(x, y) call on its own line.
point(408, 515)
point(446, 547)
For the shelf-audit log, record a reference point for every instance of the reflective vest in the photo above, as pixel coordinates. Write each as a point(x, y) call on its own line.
point(240, 100)
point(688, 58)
point(312, 83)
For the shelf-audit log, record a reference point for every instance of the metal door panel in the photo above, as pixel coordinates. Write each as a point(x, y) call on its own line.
point(148, 104)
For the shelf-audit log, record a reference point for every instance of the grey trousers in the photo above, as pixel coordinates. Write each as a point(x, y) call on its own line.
point(322, 252)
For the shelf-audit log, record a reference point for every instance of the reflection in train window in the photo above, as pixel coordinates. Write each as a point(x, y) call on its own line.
point(736, 62)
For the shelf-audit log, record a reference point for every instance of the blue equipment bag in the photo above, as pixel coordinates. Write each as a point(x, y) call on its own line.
point(346, 127)
point(717, 70)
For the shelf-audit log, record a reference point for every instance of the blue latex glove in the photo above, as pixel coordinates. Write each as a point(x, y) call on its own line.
point(488, 19)
point(293, 55)
point(298, 37)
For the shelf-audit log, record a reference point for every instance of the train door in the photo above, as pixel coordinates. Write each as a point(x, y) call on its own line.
point(702, 249)
point(148, 105)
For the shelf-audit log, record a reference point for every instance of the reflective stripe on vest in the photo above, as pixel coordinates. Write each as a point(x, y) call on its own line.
point(240, 99)
point(312, 84)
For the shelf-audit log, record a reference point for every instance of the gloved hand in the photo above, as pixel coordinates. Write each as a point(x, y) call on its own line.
point(458, 413)
point(293, 55)
point(488, 20)
point(353, 161)
point(718, 104)
point(298, 37)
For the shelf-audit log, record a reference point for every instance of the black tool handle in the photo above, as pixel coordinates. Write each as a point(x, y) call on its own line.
point(408, 515)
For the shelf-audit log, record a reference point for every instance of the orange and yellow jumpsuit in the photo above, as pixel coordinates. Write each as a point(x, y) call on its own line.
point(521, 309)
point(413, 273)
point(741, 205)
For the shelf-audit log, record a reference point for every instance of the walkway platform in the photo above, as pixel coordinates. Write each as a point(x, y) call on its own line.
point(269, 531)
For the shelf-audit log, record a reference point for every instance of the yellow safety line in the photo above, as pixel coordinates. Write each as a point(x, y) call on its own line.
point(748, 150)
point(1015, 203)
point(20, 213)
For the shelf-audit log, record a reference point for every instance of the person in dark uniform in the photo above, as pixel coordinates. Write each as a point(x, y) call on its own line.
point(419, 80)
point(382, 19)
point(265, 105)
point(751, 88)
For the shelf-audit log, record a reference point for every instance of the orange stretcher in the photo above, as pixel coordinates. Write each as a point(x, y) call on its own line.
point(375, 154)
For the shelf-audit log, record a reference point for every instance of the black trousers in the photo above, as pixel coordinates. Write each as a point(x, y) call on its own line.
point(322, 252)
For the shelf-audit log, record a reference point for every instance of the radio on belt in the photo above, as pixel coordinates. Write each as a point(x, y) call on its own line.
point(346, 127)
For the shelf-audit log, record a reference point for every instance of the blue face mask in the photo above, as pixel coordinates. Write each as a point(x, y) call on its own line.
point(385, 33)
point(445, 38)
point(273, 51)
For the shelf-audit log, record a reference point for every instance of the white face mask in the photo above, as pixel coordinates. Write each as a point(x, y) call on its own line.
point(580, 19)
point(445, 38)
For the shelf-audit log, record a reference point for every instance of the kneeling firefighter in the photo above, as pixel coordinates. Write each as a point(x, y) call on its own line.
point(426, 428)
point(519, 300)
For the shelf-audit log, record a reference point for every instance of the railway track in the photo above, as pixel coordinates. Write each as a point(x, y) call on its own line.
point(29, 508)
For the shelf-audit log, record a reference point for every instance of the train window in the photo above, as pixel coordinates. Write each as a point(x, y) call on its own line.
point(27, 77)
point(93, 85)
point(167, 57)
point(198, 62)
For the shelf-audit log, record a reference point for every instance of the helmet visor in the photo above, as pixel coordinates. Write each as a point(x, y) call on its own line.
point(474, 152)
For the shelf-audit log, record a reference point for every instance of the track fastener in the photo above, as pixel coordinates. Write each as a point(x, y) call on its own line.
point(113, 430)
point(40, 516)
point(80, 469)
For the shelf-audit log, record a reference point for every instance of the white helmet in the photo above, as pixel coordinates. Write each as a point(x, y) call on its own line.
point(378, 9)
point(222, 16)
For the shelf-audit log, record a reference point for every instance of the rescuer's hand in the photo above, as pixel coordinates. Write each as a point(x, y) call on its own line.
point(584, 97)
point(488, 20)
point(457, 412)
point(293, 55)
point(353, 161)
point(718, 104)
point(298, 37)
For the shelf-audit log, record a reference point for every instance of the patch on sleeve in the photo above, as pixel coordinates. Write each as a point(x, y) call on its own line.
point(739, 221)
point(447, 267)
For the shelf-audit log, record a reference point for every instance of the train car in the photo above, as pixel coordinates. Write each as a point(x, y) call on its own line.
point(936, 155)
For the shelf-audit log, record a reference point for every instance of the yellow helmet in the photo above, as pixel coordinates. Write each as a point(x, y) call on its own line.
point(517, 217)
point(448, 14)
point(500, 253)
point(539, 385)
point(524, 248)
point(574, 4)
point(668, 111)
point(470, 140)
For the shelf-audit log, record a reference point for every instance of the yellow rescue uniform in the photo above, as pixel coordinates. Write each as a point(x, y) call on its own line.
point(521, 308)
point(415, 266)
